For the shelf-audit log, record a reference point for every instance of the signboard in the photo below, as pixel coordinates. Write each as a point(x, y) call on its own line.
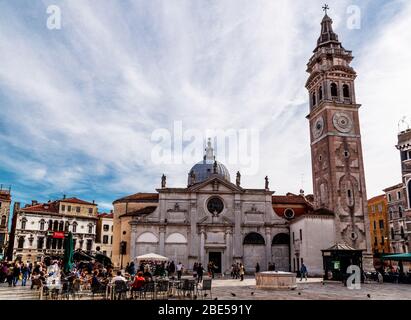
point(58, 235)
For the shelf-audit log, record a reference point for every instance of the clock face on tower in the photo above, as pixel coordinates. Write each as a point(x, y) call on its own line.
point(318, 127)
point(342, 122)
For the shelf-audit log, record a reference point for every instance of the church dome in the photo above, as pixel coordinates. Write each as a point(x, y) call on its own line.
point(203, 170)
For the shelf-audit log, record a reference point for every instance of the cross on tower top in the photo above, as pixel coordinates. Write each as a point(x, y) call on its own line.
point(325, 8)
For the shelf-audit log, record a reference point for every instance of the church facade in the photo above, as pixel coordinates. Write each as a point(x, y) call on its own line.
point(212, 219)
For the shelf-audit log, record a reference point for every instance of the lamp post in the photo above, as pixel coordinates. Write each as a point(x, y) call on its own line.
point(123, 245)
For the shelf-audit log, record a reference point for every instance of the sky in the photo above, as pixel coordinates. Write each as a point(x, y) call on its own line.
point(86, 108)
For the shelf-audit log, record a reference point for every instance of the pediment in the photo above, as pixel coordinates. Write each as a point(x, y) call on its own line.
point(215, 184)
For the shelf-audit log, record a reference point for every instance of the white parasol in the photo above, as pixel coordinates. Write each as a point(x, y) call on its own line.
point(151, 257)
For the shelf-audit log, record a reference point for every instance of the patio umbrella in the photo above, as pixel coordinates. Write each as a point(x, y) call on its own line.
point(102, 258)
point(68, 253)
point(151, 257)
point(80, 255)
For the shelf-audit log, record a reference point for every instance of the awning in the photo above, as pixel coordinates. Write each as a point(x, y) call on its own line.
point(397, 257)
point(151, 257)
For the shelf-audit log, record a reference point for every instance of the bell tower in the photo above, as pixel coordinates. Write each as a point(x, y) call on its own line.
point(336, 152)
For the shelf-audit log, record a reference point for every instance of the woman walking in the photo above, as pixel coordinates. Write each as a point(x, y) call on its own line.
point(242, 272)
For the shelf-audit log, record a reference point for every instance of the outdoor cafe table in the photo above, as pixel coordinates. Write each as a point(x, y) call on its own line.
point(50, 288)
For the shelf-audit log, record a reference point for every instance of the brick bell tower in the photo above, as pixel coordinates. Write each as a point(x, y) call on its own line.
point(336, 152)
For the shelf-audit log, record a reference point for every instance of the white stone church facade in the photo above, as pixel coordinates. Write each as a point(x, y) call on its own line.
point(211, 219)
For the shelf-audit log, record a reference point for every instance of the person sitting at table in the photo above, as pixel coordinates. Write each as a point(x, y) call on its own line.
point(118, 277)
point(138, 283)
point(96, 284)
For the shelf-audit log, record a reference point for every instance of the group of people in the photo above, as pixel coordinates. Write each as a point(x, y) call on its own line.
point(156, 268)
point(238, 270)
point(12, 273)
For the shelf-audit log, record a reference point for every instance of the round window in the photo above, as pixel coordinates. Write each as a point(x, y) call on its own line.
point(215, 205)
point(289, 214)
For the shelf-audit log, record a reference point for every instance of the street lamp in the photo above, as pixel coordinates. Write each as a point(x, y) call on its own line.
point(123, 248)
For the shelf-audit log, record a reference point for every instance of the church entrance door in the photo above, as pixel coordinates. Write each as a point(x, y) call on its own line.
point(215, 257)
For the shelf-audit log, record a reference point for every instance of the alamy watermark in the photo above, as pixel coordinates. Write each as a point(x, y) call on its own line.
point(232, 147)
point(54, 17)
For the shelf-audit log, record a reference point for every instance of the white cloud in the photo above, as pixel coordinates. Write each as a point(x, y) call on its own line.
point(89, 96)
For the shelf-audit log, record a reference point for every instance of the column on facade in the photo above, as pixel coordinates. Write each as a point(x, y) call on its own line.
point(267, 248)
point(238, 248)
point(193, 243)
point(229, 249)
point(133, 240)
point(202, 246)
point(162, 238)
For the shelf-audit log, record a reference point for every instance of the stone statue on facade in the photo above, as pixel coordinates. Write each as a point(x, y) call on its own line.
point(238, 179)
point(266, 183)
point(192, 178)
point(163, 181)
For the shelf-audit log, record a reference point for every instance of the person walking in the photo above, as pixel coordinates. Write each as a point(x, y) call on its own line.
point(195, 270)
point(179, 268)
point(242, 272)
point(10, 273)
point(303, 272)
point(257, 268)
point(200, 272)
point(25, 272)
point(16, 273)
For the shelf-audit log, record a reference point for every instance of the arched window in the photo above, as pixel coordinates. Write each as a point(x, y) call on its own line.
point(20, 244)
point(3, 221)
point(346, 91)
point(56, 226)
point(314, 99)
point(400, 212)
point(147, 237)
point(174, 238)
point(254, 238)
point(23, 223)
point(392, 234)
point(402, 232)
point(50, 225)
point(320, 93)
point(90, 228)
point(74, 227)
point(281, 238)
point(66, 226)
point(42, 223)
point(61, 226)
point(390, 213)
point(334, 90)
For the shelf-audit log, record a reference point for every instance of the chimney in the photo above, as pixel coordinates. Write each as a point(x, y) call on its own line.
point(93, 201)
point(64, 196)
point(111, 211)
point(34, 202)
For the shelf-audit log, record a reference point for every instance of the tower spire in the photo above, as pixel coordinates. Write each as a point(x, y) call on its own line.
point(327, 37)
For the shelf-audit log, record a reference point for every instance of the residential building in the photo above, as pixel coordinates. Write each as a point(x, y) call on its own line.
point(40, 228)
point(397, 218)
point(104, 234)
point(379, 224)
point(5, 201)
